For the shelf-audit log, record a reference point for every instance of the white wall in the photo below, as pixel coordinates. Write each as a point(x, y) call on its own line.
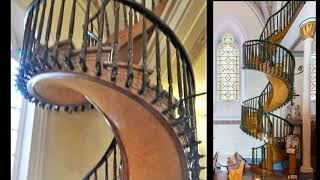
point(244, 25)
point(240, 20)
point(74, 144)
point(229, 139)
point(298, 85)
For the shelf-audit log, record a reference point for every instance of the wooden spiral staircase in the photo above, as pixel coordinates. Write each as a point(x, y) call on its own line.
point(154, 132)
point(268, 56)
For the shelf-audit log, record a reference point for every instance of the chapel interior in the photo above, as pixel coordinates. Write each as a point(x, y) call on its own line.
point(264, 110)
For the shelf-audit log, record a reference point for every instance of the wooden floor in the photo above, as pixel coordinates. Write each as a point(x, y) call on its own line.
point(250, 175)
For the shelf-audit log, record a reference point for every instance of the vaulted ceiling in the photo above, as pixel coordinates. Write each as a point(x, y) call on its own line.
point(265, 9)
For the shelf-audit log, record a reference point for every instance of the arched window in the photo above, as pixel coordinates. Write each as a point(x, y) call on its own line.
point(313, 77)
point(228, 72)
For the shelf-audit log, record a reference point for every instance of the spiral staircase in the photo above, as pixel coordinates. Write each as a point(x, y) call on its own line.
point(154, 132)
point(266, 55)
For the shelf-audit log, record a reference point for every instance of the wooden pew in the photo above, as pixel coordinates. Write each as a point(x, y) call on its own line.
point(236, 167)
point(236, 174)
point(239, 158)
point(235, 164)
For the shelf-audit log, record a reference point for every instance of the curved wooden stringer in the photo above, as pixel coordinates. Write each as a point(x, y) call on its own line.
point(155, 131)
point(136, 124)
point(268, 56)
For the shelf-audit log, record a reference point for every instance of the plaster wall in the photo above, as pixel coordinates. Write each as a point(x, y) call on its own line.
point(229, 139)
point(239, 19)
point(74, 144)
point(244, 25)
point(200, 67)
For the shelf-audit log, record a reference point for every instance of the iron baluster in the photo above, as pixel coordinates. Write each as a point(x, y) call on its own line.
point(144, 54)
point(55, 53)
point(106, 169)
point(125, 15)
point(253, 155)
point(27, 36)
point(135, 15)
point(158, 67)
point(33, 31)
point(115, 164)
point(192, 106)
point(115, 44)
point(153, 4)
point(107, 24)
point(83, 52)
point(185, 90)
point(100, 37)
point(67, 58)
point(130, 52)
point(31, 49)
point(180, 109)
point(120, 167)
point(91, 40)
point(281, 126)
point(47, 37)
point(169, 77)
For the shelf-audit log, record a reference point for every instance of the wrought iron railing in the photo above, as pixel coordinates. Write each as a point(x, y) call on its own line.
point(101, 18)
point(282, 19)
point(259, 155)
point(39, 55)
point(271, 58)
point(268, 56)
point(108, 159)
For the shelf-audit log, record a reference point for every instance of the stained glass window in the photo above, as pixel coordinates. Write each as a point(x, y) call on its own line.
point(313, 77)
point(228, 72)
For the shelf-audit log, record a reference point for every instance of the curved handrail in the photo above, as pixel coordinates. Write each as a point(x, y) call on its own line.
point(260, 146)
point(100, 9)
point(270, 42)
